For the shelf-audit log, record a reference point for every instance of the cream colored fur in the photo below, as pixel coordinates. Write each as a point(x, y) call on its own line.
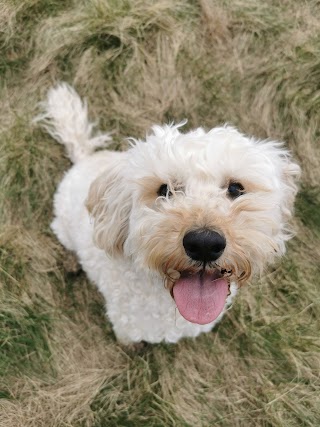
point(129, 240)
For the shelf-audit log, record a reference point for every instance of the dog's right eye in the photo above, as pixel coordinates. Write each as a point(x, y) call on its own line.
point(235, 190)
point(164, 191)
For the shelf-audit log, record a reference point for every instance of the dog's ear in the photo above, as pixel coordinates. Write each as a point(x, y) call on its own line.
point(109, 203)
point(290, 174)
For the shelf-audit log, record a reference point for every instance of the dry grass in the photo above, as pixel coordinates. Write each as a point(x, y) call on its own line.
point(253, 64)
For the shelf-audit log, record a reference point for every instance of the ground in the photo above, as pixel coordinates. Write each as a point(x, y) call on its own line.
point(253, 64)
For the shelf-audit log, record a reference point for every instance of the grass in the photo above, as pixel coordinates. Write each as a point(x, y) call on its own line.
point(253, 64)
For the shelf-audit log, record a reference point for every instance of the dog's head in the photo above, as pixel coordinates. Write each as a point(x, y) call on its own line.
point(201, 209)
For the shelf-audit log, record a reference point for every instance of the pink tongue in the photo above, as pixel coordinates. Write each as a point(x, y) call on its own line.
point(200, 300)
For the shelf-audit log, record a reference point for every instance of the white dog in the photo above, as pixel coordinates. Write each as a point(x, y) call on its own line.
point(171, 228)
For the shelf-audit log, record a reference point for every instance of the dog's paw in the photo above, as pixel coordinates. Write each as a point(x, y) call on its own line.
point(135, 347)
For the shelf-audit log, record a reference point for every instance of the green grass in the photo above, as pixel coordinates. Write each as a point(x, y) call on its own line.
point(308, 208)
point(24, 338)
point(253, 64)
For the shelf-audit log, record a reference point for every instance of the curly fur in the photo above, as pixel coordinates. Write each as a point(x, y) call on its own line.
point(129, 239)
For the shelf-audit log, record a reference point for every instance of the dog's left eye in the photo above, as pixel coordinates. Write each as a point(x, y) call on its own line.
point(164, 191)
point(235, 190)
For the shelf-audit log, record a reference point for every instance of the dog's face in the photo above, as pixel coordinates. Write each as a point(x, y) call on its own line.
point(200, 209)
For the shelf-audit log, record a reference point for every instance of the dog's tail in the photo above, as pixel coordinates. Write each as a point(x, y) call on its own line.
point(65, 117)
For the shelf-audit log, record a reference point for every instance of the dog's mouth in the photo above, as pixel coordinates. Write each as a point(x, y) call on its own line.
point(201, 296)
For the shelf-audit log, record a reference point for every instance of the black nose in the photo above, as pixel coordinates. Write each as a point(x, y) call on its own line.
point(204, 245)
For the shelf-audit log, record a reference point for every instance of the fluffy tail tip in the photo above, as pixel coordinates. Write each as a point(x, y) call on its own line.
point(65, 117)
